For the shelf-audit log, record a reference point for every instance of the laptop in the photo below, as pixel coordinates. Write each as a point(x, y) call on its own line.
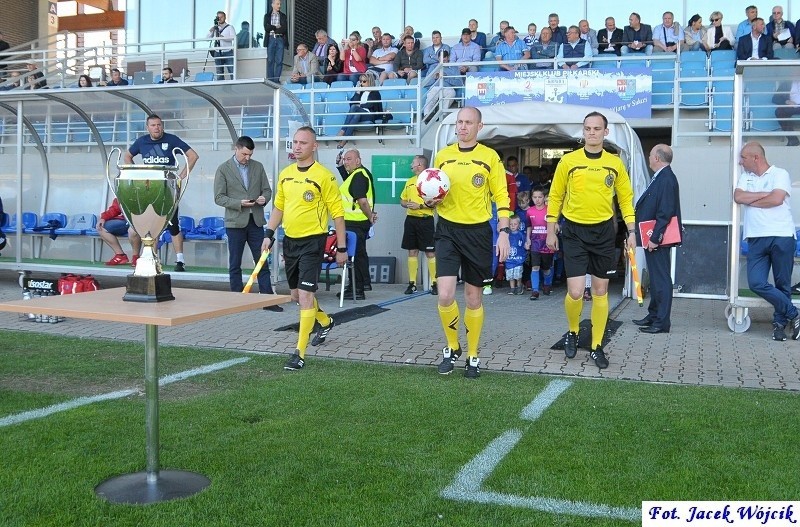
point(142, 77)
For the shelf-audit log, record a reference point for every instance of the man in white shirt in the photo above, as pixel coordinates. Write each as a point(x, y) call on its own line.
point(763, 190)
point(224, 37)
point(382, 59)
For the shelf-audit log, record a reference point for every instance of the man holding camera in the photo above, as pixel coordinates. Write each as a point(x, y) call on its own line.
point(222, 47)
point(276, 26)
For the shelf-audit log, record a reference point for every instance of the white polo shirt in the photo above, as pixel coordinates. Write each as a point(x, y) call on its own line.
point(774, 221)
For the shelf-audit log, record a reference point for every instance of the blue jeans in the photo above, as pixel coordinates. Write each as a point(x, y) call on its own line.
point(224, 59)
point(253, 236)
point(776, 252)
point(352, 77)
point(275, 47)
point(357, 115)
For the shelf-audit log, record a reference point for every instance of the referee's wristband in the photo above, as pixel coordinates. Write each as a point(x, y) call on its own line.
point(269, 233)
point(341, 249)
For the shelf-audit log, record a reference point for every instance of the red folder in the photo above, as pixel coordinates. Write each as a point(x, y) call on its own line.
point(672, 235)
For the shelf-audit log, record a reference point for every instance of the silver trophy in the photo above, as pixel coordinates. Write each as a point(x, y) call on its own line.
point(148, 196)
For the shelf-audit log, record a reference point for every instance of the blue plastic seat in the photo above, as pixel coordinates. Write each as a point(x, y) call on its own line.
point(333, 119)
point(760, 110)
point(49, 221)
point(78, 224)
point(722, 106)
point(663, 83)
point(294, 86)
point(209, 228)
point(204, 76)
point(29, 221)
point(693, 92)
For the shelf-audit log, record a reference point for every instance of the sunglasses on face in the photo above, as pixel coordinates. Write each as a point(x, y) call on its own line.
point(716, 19)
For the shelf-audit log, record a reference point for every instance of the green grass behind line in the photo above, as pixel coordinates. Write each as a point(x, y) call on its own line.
point(352, 444)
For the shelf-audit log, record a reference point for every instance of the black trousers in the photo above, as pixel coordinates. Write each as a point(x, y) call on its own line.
point(361, 228)
point(658, 266)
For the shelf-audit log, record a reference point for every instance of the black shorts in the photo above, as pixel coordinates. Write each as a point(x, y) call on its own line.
point(589, 249)
point(544, 261)
point(418, 233)
point(303, 257)
point(465, 247)
point(174, 226)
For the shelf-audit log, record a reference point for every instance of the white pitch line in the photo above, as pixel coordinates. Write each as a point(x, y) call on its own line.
point(83, 401)
point(466, 486)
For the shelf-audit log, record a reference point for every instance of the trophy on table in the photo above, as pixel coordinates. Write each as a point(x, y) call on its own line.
point(148, 196)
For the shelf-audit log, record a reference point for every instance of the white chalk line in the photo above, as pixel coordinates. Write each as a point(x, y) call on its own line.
point(120, 394)
point(466, 486)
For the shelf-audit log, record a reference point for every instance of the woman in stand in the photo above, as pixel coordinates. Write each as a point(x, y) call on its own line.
point(84, 81)
point(718, 36)
point(354, 55)
point(365, 105)
point(332, 66)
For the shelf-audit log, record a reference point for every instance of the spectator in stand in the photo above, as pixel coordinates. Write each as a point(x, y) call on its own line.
point(354, 58)
point(637, 37)
point(575, 48)
point(364, 106)
point(276, 27)
point(558, 33)
point(116, 79)
point(511, 49)
point(84, 81)
point(465, 51)
point(430, 55)
point(497, 37)
point(531, 37)
point(166, 76)
point(589, 35)
point(382, 59)
point(446, 89)
point(223, 45)
point(12, 81)
point(332, 66)
point(35, 79)
point(305, 66)
point(609, 39)
point(668, 35)
point(781, 31)
point(112, 223)
point(745, 26)
point(407, 63)
point(785, 113)
point(477, 37)
point(694, 35)
point(544, 48)
point(407, 31)
point(322, 47)
point(756, 46)
point(718, 36)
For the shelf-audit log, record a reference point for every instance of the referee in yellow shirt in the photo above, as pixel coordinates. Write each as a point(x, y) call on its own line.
point(464, 236)
point(418, 229)
point(305, 196)
point(583, 191)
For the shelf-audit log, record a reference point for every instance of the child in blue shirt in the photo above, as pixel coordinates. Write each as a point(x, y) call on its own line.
point(517, 255)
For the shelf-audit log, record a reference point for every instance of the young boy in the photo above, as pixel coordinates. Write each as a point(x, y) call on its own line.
point(523, 204)
point(530, 38)
point(516, 256)
point(541, 255)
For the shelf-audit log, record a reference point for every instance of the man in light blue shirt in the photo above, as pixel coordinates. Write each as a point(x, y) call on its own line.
point(466, 51)
point(511, 49)
point(668, 35)
point(430, 55)
point(745, 26)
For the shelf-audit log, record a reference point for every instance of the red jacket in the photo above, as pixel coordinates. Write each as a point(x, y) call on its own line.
point(113, 212)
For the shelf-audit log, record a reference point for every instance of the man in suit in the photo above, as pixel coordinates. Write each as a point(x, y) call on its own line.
point(756, 45)
point(241, 186)
point(637, 37)
point(660, 202)
point(609, 39)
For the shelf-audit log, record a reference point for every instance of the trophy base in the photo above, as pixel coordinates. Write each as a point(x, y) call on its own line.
point(156, 288)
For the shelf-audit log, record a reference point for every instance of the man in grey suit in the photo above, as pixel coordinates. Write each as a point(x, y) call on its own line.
point(242, 187)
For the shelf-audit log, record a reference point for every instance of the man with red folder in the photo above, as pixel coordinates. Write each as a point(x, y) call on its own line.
point(658, 205)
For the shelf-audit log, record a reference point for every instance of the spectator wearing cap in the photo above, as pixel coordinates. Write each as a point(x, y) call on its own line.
point(465, 51)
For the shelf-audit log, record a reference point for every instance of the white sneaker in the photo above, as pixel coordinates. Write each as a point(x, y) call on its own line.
point(487, 290)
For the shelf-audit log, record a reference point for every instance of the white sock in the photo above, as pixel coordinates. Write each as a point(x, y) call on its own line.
point(179, 257)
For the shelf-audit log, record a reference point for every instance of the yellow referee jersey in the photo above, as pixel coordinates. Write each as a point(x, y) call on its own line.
point(584, 185)
point(307, 196)
point(410, 194)
point(477, 177)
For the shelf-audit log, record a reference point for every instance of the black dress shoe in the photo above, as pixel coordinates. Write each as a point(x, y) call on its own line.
point(646, 321)
point(653, 330)
point(348, 295)
point(274, 309)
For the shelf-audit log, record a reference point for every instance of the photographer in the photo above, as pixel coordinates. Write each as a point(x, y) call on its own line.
point(276, 27)
point(224, 37)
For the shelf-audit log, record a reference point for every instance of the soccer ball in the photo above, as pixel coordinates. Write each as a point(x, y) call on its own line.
point(432, 183)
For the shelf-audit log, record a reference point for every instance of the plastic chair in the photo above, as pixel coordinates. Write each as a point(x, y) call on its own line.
point(663, 82)
point(786, 54)
point(724, 58)
point(759, 108)
point(209, 228)
point(47, 221)
point(351, 257)
point(721, 106)
point(335, 114)
point(78, 224)
point(693, 92)
point(698, 57)
point(255, 125)
point(204, 76)
point(294, 86)
point(29, 221)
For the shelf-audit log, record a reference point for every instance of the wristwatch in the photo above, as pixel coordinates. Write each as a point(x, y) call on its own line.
point(341, 249)
point(505, 230)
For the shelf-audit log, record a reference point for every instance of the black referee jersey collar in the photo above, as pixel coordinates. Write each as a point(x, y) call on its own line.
point(467, 149)
point(592, 155)
point(305, 169)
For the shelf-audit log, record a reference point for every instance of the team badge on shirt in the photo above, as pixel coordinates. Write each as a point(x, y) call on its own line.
point(477, 180)
point(610, 180)
point(165, 146)
point(308, 196)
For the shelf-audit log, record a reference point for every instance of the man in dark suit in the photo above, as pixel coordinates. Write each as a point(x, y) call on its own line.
point(609, 38)
point(241, 186)
point(745, 45)
point(637, 37)
point(660, 202)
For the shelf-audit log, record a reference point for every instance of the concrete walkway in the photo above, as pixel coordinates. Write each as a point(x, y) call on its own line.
point(517, 336)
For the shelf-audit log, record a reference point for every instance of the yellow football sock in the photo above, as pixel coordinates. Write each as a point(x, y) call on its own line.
point(573, 308)
point(306, 326)
point(432, 269)
point(473, 323)
point(599, 318)
point(413, 267)
point(450, 320)
point(319, 315)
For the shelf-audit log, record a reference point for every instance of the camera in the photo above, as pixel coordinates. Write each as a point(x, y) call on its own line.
point(216, 20)
point(259, 36)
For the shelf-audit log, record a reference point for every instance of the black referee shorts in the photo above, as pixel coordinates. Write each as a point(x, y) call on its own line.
point(418, 233)
point(589, 249)
point(303, 257)
point(465, 247)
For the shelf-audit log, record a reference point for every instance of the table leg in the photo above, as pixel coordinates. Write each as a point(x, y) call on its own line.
point(152, 485)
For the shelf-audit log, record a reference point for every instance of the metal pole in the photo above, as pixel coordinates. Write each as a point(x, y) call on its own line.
point(151, 398)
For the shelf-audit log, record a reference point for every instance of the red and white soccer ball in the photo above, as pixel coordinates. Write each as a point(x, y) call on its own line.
point(432, 183)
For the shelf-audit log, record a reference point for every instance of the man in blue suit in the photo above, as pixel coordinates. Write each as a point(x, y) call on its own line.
point(659, 202)
point(755, 45)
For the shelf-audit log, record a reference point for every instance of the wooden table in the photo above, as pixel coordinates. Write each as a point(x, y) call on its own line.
point(190, 305)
